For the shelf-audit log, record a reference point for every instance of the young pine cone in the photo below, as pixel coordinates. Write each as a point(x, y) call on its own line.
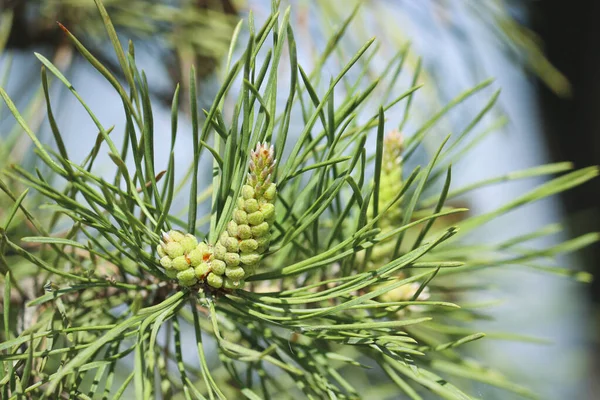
point(389, 187)
point(391, 178)
point(248, 234)
point(240, 248)
point(176, 251)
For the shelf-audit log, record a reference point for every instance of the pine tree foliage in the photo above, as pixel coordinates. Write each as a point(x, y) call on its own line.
point(356, 292)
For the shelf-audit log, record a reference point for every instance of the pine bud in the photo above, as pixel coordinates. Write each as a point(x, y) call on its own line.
point(180, 263)
point(244, 232)
point(232, 228)
point(268, 211)
point(393, 145)
point(187, 277)
point(223, 238)
point(260, 230)
point(248, 245)
point(389, 188)
point(174, 249)
point(232, 284)
point(240, 216)
point(203, 247)
point(250, 206)
point(263, 243)
point(270, 192)
point(249, 258)
point(220, 251)
point(166, 262)
point(240, 203)
point(218, 267)
point(232, 259)
point(181, 255)
point(189, 243)
point(256, 218)
point(247, 192)
point(202, 270)
point(214, 280)
point(262, 164)
point(195, 257)
point(235, 274)
point(232, 245)
point(173, 236)
point(391, 177)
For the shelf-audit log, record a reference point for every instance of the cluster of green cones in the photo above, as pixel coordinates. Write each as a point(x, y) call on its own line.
point(240, 247)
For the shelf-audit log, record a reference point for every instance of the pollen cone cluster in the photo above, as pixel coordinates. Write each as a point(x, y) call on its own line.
point(254, 212)
point(390, 186)
point(179, 254)
point(391, 178)
point(407, 293)
point(240, 247)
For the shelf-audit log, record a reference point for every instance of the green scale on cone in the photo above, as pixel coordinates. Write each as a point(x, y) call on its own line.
point(240, 247)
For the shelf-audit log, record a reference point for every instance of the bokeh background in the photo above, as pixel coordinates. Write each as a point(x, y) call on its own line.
point(544, 56)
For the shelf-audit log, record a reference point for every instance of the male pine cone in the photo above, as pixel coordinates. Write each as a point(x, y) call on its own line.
point(390, 185)
point(254, 213)
point(240, 247)
point(391, 178)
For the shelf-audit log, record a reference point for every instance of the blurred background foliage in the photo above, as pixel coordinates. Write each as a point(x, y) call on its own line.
point(185, 32)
